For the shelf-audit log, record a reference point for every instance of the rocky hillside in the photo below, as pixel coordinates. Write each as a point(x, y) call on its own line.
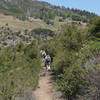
point(10, 37)
point(24, 9)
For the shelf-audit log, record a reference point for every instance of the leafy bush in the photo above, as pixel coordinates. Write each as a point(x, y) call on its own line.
point(95, 29)
point(39, 31)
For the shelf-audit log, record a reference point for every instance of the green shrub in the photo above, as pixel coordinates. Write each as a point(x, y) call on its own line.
point(95, 29)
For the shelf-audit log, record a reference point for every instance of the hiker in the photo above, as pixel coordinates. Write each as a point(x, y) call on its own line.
point(47, 62)
point(43, 53)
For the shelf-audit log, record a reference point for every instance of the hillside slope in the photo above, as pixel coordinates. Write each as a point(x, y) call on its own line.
point(16, 24)
point(23, 9)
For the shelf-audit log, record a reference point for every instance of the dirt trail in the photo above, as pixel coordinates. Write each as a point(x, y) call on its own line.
point(45, 90)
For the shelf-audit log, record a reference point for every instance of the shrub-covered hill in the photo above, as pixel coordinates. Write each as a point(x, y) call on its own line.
point(24, 9)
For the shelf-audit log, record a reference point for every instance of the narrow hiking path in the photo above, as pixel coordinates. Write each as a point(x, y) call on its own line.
point(45, 90)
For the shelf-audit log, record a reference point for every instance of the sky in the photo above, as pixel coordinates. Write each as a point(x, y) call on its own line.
point(89, 5)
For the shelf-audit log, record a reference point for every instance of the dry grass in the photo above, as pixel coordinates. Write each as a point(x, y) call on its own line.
point(19, 25)
point(22, 25)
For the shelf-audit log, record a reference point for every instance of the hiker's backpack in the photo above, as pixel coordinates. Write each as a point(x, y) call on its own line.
point(48, 58)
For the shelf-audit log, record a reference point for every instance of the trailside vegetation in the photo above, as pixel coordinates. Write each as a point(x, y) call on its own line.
point(19, 70)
